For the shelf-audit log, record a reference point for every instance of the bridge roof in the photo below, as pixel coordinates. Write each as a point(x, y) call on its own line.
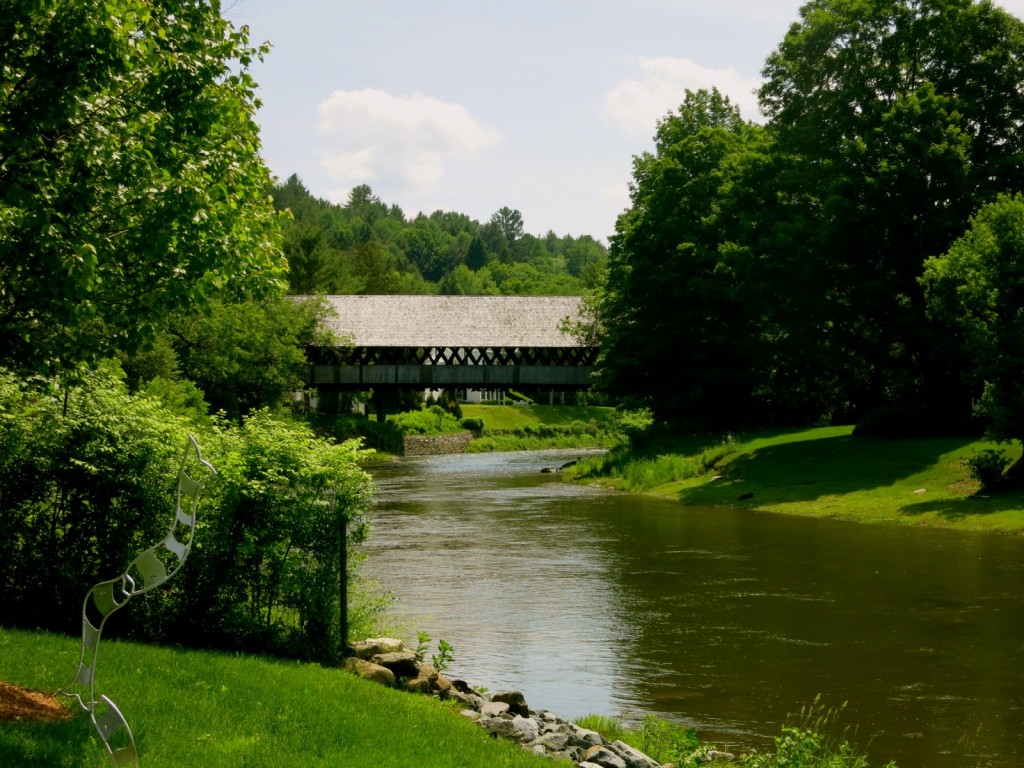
point(454, 321)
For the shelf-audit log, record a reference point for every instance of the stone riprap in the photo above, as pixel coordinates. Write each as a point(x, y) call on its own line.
point(504, 714)
point(436, 445)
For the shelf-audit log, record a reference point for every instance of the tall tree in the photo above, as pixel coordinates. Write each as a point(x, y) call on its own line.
point(978, 287)
point(677, 330)
point(130, 178)
point(902, 118)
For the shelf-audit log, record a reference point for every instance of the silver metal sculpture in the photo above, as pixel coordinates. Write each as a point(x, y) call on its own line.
point(149, 570)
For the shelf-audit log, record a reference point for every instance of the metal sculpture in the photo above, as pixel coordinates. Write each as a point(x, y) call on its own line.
point(149, 570)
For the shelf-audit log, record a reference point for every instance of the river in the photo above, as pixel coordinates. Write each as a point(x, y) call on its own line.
point(728, 620)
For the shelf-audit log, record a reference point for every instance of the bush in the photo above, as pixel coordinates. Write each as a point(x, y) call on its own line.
point(473, 425)
point(987, 467)
point(432, 421)
point(87, 482)
point(270, 572)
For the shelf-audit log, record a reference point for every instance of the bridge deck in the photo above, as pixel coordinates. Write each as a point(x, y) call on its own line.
point(437, 342)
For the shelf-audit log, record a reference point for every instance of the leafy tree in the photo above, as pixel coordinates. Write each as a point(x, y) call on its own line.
point(249, 355)
point(509, 223)
point(130, 178)
point(462, 281)
point(901, 117)
point(476, 255)
point(978, 287)
point(673, 298)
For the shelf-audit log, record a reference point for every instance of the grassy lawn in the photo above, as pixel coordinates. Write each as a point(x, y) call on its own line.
point(538, 427)
point(828, 472)
point(192, 709)
point(501, 418)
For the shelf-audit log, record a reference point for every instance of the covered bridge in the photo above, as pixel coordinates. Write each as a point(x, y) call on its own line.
point(450, 342)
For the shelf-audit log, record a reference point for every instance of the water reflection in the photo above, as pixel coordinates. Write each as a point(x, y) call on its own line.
point(725, 619)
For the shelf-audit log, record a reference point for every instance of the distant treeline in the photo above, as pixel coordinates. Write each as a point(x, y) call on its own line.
point(368, 247)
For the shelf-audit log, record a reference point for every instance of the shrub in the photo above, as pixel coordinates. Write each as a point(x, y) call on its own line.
point(432, 421)
point(87, 481)
point(473, 425)
point(987, 466)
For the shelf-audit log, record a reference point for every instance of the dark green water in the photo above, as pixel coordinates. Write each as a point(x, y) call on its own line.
point(728, 620)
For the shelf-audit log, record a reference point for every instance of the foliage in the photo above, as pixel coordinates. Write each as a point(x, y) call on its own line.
point(900, 120)
point(768, 275)
point(251, 354)
point(269, 575)
point(473, 425)
point(440, 660)
point(978, 286)
point(368, 247)
point(672, 292)
point(87, 480)
point(444, 657)
point(434, 420)
point(804, 744)
point(987, 467)
point(131, 184)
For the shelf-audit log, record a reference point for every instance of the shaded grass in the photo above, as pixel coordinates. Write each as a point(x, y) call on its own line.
point(825, 472)
point(207, 710)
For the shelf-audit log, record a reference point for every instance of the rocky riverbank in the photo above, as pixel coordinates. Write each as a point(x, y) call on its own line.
point(504, 714)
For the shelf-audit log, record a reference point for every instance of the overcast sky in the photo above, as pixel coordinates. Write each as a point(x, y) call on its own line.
point(471, 105)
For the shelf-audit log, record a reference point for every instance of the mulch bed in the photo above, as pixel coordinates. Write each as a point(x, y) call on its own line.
point(18, 704)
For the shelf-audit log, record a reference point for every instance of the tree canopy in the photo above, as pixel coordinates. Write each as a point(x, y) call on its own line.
point(368, 247)
point(130, 180)
point(780, 264)
point(978, 287)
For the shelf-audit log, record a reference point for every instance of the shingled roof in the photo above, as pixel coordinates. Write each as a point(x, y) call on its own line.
point(454, 321)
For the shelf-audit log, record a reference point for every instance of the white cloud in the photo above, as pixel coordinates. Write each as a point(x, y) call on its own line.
point(637, 103)
point(401, 143)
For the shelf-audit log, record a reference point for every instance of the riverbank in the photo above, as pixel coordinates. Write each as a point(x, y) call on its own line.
point(542, 427)
point(825, 472)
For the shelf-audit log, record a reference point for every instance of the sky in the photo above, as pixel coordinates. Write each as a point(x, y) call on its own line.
point(474, 105)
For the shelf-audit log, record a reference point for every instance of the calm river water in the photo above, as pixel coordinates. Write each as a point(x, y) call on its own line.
point(727, 620)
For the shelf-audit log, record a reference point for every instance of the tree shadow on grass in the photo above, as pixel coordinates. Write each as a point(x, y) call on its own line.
point(968, 506)
point(829, 466)
point(67, 744)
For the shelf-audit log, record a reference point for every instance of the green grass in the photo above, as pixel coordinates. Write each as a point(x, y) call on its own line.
point(192, 709)
point(501, 418)
point(539, 427)
point(823, 472)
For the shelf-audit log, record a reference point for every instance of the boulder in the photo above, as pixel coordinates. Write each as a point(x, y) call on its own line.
point(441, 685)
point(554, 741)
point(468, 700)
point(402, 663)
point(494, 709)
point(527, 729)
point(498, 727)
point(603, 757)
point(515, 700)
point(634, 757)
point(584, 738)
point(425, 680)
point(374, 646)
point(370, 671)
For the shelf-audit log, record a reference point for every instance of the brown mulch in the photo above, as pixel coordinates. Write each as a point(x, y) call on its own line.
point(18, 704)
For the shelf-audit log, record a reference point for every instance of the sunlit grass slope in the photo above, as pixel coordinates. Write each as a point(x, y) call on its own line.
point(193, 709)
point(824, 472)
